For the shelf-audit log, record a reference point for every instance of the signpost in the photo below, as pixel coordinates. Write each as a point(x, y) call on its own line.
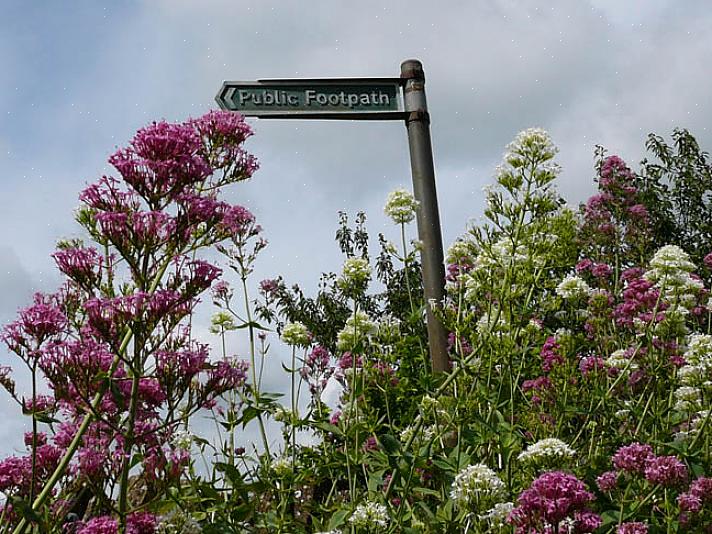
point(368, 99)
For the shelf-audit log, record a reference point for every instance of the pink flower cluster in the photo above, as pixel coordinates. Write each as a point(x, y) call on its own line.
point(699, 495)
point(639, 459)
point(550, 354)
point(137, 523)
point(317, 369)
point(640, 299)
point(553, 498)
point(615, 218)
point(632, 528)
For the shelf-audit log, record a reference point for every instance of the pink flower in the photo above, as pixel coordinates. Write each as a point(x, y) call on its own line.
point(550, 355)
point(83, 265)
point(162, 161)
point(665, 470)
point(601, 270)
point(591, 364)
point(100, 525)
point(698, 496)
point(632, 528)
point(607, 481)
point(335, 417)
point(633, 458)
point(554, 497)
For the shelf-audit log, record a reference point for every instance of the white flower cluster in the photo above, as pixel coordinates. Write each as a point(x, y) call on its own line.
point(427, 433)
point(358, 326)
point(695, 377)
point(497, 516)
point(295, 334)
point(670, 271)
point(369, 516)
point(177, 522)
point(490, 322)
point(221, 322)
point(530, 142)
point(282, 466)
point(182, 439)
point(502, 253)
point(335, 531)
point(572, 287)
point(355, 273)
point(621, 361)
point(476, 482)
point(546, 450)
point(401, 206)
point(459, 252)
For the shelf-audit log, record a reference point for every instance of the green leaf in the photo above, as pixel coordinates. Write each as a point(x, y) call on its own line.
point(232, 473)
point(390, 444)
point(338, 519)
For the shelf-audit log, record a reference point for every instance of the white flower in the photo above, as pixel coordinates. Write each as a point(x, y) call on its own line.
point(401, 206)
point(530, 142)
point(620, 361)
point(670, 271)
point(335, 531)
point(427, 433)
point(282, 466)
point(572, 287)
point(699, 351)
point(475, 482)
point(546, 449)
point(487, 323)
point(459, 252)
point(177, 522)
point(355, 273)
point(182, 439)
point(358, 326)
point(688, 398)
point(688, 394)
point(497, 516)
point(221, 322)
point(671, 259)
point(370, 515)
point(295, 334)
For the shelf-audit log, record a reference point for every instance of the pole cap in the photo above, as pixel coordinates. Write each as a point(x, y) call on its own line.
point(412, 69)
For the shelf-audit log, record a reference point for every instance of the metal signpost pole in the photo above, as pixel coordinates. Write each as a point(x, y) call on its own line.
point(428, 218)
point(367, 99)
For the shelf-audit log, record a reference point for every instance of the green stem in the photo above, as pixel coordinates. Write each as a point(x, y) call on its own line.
point(128, 444)
point(255, 384)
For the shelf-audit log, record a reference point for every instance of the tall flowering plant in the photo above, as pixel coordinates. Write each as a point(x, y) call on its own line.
point(116, 373)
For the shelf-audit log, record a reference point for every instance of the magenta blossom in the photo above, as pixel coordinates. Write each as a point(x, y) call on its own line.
point(665, 470)
point(552, 498)
point(633, 458)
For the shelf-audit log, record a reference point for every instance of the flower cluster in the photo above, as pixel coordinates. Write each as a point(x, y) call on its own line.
point(296, 334)
point(547, 450)
point(572, 287)
point(401, 206)
point(370, 516)
point(355, 275)
point(555, 500)
point(476, 484)
point(358, 326)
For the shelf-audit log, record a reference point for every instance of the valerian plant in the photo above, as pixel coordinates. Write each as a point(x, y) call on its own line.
point(578, 399)
point(112, 350)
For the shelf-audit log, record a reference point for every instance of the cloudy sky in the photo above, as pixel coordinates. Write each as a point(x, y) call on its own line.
point(79, 77)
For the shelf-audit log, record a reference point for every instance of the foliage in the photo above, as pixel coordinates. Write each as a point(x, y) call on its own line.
point(578, 400)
